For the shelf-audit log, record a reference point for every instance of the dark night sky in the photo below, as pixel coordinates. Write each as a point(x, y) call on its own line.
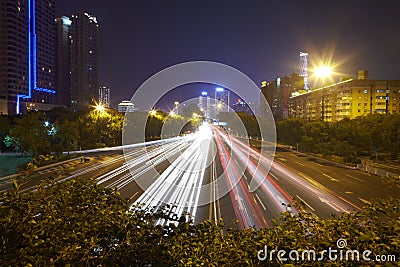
point(260, 38)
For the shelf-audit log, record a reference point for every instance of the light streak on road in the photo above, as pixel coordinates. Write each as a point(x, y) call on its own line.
point(260, 188)
point(179, 185)
point(272, 190)
point(142, 164)
point(246, 209)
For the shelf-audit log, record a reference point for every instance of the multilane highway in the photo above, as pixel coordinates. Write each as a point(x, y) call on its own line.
point(212, 175)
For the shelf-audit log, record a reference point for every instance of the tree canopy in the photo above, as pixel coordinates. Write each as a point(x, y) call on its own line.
point(81, 223)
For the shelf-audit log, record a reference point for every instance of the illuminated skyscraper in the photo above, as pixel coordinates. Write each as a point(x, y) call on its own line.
point(304, 69)
point(84, 67)
point(104, 96)
point(221, 100)
point(27, 55)
point(63, 77)
point(204, 104)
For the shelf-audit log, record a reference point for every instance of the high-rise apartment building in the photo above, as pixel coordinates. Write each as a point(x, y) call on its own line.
point(104, 96)
point(277, 94)
point(63, 77)
point(222, 99)
point(347, 99)
point(204, 104)
point(84, 59)
point(27, 55)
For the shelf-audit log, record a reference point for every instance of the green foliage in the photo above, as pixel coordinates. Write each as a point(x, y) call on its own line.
point(80, 223)
point(348, 138)
point(29, 131)
point(188, 111)
point(68, 134)
point(5, 126)
point(100, 129)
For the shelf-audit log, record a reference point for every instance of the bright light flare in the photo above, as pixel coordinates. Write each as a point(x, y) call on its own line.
point(323, 72)
point(100, 108)
point(153, 112)
point(205, 131)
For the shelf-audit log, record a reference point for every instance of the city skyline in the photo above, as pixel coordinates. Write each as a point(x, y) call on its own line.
point(262, 40)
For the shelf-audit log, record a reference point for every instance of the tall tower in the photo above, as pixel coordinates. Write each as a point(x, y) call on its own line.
point(304, 69)
point(104, 96)
point(63, 77)
point(204, 104)
point(27, 55)
point(84, 67)
point(221, 100)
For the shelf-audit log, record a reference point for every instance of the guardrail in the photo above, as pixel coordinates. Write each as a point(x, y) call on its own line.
point(376, 171)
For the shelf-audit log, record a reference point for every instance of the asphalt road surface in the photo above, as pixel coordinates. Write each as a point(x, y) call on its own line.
point(210, 175)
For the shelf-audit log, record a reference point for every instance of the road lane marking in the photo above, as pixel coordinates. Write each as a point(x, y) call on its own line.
point(348, 202)
point(308, 205)
point(364, 201)
point(330, 177)
point(299, 163)
point(358, 179)
point(262, 204)
point(327, 202)
point(133, 195)
point(273, 176)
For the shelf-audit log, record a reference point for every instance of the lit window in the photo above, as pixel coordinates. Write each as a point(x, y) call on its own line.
point(365, 91)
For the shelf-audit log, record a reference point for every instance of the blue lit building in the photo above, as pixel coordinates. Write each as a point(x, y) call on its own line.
point(27, 55)
point(222, 98)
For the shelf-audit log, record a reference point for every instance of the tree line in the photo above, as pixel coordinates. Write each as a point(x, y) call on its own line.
point(59, 130)
point(63, 130)
point(371, 135)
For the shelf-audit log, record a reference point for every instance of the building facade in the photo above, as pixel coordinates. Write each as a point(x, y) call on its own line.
point(277, 94)
point(104, 96)
point(63, 56)
point(241, 106)
point(126, 106)
point(84, 60)
point(204, 104)
point(27, 55)
point(347, 99)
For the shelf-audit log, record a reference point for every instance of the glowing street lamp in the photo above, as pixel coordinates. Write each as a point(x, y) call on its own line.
point(100, 108)
point(323, 72)
point(153, 112)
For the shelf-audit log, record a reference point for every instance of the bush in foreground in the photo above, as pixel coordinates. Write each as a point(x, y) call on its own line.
point(80, 223)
